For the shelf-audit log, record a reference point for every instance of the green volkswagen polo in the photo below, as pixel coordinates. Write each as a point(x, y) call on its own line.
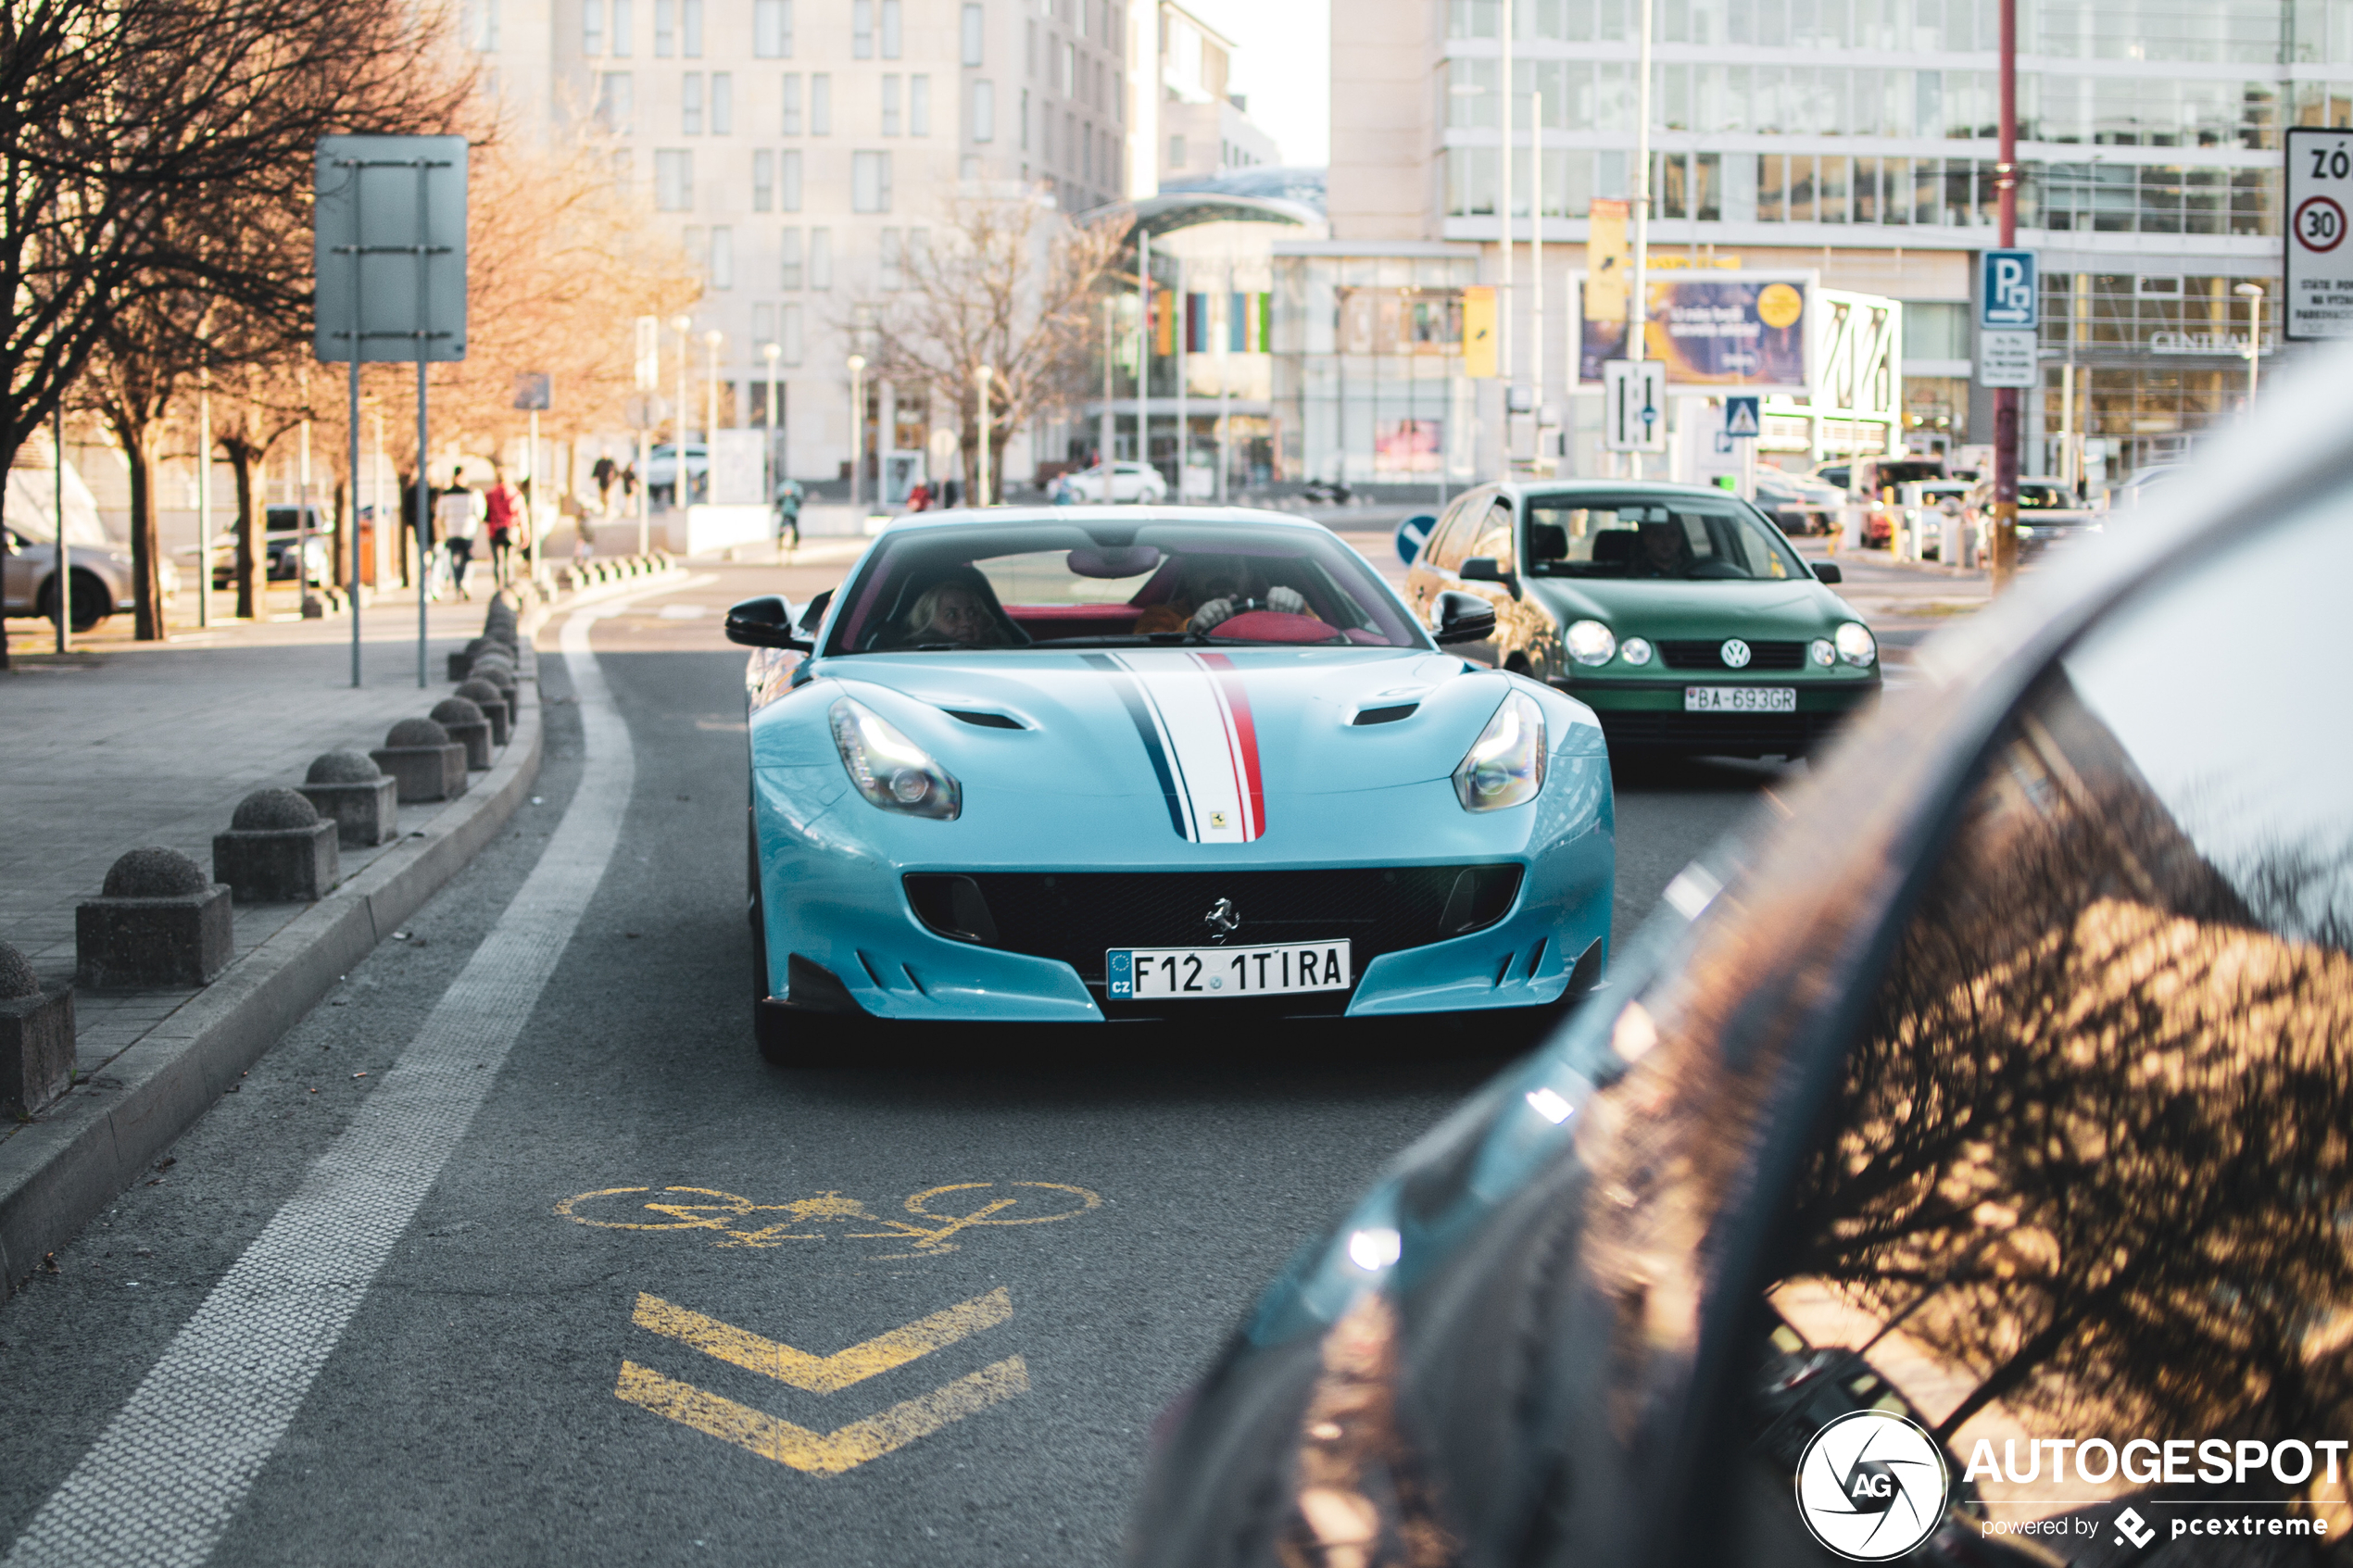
point(1679, 614)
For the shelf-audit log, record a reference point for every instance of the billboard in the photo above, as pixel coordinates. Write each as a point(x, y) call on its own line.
point(1712, 332)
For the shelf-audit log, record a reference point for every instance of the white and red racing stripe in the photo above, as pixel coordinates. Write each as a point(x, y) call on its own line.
point(1200, 716)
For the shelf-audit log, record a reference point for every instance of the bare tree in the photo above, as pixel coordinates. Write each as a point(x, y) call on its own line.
point(1006, 283)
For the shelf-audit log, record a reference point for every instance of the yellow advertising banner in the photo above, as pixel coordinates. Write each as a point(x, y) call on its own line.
point(1609, 263)
point(1478, 333)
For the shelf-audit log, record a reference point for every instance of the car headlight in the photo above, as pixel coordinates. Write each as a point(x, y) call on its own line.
point(1506, 765)
point(1589, 641)
point(1856, 644)
point(890, 770)
point(1820, 651)
point(1635, 650)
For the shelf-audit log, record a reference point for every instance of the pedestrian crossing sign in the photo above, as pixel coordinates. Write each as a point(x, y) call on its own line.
point(1740, 417)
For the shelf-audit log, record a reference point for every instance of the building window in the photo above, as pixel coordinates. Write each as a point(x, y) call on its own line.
point(789, 181)
point(698, 245)
point(1069, 83)
point(722, 103)
point(723, 257)
point(616, 106)
point(1176, 154)
point(690, 103)
point(771, 30)
point(1087, 154)
point(862, 29)
point(821, 258)
point(789, 333)
point(890, 105)
point(690, 12)
point(890, 261)
point(1025, 122)
point(592, 26)
point(919, 105)
point(482, 25)
point(763, 180)
point(763, 326)
point(674, 181)
point(665, 29)
point(976, 33)
point(789, 251)
point(792, 105)
point(1029, 50)
point(623, 168)
point(820, 104)
point(890, 28)
point(623, 28)
point(984, 110)
point(870, 182)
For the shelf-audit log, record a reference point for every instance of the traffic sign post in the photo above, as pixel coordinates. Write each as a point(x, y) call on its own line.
point(2008, 296)
point(2007, 360)
point(1634, 406)
point(1743, 422)
point(2320, 264)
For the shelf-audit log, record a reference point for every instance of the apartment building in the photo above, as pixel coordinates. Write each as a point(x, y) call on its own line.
point(1205, 129)
point(1855, 138)
point(803, 149)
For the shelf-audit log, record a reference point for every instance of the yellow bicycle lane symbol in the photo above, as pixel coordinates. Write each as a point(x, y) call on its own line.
point(734, 1222)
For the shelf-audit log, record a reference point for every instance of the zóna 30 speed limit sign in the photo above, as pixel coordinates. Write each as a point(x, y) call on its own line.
point(2320, 264)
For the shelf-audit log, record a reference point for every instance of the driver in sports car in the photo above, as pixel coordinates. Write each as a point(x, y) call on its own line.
point(1216, 589)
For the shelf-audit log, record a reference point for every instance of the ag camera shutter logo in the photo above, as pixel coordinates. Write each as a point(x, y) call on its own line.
point(1872, 1485)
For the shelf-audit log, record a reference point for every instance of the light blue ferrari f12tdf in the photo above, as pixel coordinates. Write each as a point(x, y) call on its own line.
point(1084, 764)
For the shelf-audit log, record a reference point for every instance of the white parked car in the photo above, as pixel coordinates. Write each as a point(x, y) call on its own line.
point(661, 470)
point(1128, 481)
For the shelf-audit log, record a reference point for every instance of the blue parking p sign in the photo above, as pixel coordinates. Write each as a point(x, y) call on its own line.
point(2007, 297)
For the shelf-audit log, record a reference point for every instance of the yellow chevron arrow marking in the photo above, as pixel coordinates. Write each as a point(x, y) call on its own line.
point(826, 1454)
point(824, 1375)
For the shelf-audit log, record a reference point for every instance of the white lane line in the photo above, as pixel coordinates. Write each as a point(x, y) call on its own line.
point(162, 1482)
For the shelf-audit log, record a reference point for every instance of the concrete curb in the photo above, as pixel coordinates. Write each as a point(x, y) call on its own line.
point(57, 1174)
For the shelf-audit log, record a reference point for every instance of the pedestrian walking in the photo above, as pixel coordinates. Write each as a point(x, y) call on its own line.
point(604, 473)
point(502, 517)
point(789, 495)
point(460, 512)
point(584, 532)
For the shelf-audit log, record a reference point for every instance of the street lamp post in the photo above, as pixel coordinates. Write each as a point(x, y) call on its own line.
point(2253, 295)
point(857, 427)
point(683, 326)
point(774, 469)
point(711, 340)
point(982, 376)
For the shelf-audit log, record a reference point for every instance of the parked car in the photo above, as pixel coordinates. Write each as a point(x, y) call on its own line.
point(2050, 513)
point(1994, 1088)
point(1128, 481)
point(1799, 503)
point(103, 581)
point(283, 540)
point(661, 471)
point(1679, 614)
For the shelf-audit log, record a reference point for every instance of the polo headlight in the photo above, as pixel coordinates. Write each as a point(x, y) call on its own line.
point(1589, 641)
point(890, 770)
point(1506, 765)
point(1854, 644)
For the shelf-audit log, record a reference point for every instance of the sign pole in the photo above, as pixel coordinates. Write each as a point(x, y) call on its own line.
point(351, 493)
point(204, 485)
point(2006, 398)
point(424, 447)
point(1638, 303)
point(63, 551)
point(1144, 302)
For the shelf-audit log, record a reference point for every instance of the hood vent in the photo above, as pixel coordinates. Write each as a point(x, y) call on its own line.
point(986, 721)
point(1387, 714)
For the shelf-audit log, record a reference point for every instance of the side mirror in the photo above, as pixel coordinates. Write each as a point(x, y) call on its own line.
point(1462, 618)
point(815, 616)
point(1487, 569)
point(1827, 571)
point(763, 623)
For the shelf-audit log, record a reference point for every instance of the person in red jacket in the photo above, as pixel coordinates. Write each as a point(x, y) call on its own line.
point(503, 519)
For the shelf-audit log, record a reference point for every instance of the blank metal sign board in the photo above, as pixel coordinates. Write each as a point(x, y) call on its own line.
point(2320, 262)
point(390, 233)
point(1634, 404)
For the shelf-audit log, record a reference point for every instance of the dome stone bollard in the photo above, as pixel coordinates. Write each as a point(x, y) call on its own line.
point(36, 1039)
point(467, 727)
point(158, 921)
point(352, 792)
point(277, 850)
point(423, 760)
point(492, 703)
point(500, 675)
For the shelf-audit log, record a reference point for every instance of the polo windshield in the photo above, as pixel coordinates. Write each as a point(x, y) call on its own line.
point(1685, 539)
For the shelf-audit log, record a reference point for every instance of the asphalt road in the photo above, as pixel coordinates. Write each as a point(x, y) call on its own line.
point(1072, 1226)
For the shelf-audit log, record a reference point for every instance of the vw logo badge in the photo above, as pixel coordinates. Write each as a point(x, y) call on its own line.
point(1736, 654)
point(1872, 1485)
point(1223, 918)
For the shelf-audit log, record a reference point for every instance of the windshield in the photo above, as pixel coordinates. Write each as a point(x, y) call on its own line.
point(1684, 539)
point(1072, 584)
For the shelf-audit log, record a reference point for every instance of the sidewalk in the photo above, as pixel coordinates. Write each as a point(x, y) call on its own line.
point(131, 744)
